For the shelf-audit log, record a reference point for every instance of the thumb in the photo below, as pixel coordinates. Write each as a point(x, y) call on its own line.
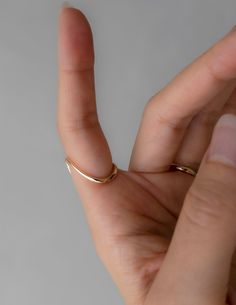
point(197, 266)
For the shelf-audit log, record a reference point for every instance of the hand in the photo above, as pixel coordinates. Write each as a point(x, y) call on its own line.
point(133, 219)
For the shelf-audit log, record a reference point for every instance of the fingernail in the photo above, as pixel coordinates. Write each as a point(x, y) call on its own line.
point(223, 144)
point(66, 4)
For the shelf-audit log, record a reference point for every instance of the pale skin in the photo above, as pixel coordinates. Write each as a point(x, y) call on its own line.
point(165, 237)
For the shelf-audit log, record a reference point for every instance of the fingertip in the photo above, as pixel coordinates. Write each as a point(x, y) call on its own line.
point(69, 12)
point(76, 40)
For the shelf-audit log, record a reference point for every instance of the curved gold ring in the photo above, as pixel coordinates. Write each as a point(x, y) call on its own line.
point(113, 174)
point(182, 168)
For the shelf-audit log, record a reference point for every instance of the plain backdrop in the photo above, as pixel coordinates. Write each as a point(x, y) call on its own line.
point(46, 253)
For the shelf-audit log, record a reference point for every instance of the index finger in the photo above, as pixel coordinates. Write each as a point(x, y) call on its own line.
point(77, 118)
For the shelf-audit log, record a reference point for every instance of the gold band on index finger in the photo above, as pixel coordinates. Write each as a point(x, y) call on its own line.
point(107, 179)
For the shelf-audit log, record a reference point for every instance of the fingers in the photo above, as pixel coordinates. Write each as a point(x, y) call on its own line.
point(169, 112)
point(199, 132)
point(197, 266)
point(78, 124)
point(230, 106)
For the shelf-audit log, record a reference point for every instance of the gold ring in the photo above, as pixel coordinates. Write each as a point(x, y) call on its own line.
point(182, 168)
point(113, 174)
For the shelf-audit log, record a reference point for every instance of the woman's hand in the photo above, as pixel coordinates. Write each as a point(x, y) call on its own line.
point(133, 218)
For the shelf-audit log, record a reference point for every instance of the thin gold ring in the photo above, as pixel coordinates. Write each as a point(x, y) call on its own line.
point(185, 169)
point(107, 179)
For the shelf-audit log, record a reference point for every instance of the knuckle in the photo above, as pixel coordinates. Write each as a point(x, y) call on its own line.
point(206, 204)
point(220, 68)
point(79, 123)
point(215, 72)
point(167, 119)
point(150, 104)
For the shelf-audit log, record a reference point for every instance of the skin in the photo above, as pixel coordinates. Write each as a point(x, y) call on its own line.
point(157, 238)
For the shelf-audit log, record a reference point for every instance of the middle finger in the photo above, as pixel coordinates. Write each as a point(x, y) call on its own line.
point(199, 132)
point(169, 112)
